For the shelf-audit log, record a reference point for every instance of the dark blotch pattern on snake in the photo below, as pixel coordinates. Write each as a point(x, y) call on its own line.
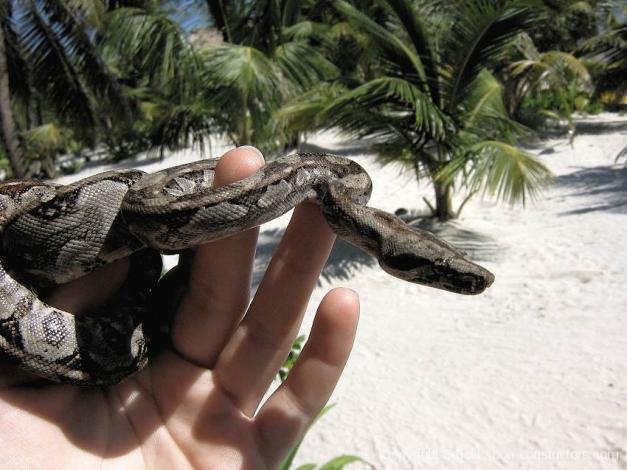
point(52, 234)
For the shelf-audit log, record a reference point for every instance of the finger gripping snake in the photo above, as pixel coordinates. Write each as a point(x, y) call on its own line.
point(52, 234)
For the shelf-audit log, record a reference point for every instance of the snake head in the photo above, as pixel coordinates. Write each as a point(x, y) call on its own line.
point(459, 274)
point(407, 252)
point(422, 258)
point(451, 273)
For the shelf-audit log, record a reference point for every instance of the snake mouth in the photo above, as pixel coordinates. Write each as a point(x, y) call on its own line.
point(462, 276)
point(470, 284)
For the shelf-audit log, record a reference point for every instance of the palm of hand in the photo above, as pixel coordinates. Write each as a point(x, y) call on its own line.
point(198, 407)
point(172, 415)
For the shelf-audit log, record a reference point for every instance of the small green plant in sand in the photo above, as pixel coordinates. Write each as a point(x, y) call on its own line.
point(336, 463)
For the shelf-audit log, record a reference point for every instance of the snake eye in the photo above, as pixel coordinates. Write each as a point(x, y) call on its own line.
point(441, 265)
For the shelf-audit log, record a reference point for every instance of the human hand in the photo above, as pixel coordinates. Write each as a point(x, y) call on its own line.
point(198, 405)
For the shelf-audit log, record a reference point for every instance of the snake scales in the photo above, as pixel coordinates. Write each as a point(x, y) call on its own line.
point(53, 234)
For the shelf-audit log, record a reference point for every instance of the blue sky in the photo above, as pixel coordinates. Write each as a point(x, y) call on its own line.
point(190, 14)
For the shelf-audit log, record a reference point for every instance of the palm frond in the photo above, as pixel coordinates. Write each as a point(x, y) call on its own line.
point(19, 69)
point(404, 58)
point(290, 12)
point(304, 112)
point(418, 34)
point(396, 151)
point(394, 99)
point(484, 114)
point(499, 169)
point(303, 64)
point(245, 68)
point(305, 30)
point(567, 64)
point(610, 48)
point(45, 138)
point(523, 45)
point(479, 40)
point(146, 44)
point(68, 24)
point(47, 57)
point(220, 16)
point(178, 126)
point(91, 11)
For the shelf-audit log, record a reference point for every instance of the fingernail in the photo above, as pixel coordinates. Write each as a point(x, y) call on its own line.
point(250, 147)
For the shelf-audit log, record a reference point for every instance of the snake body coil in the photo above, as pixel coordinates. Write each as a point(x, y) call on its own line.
point(53, 234)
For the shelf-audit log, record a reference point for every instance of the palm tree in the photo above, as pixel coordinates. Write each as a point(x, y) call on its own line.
point(606, 55)
point(163, 75)
point(49, 38)
point(186, 88)
point(268, 62)
point(10, 137)
point(562, 24)
point(433, 101)
point(268, 58)
point(560, 76)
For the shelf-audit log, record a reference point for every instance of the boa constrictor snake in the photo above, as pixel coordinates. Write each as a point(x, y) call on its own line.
point(52, 234)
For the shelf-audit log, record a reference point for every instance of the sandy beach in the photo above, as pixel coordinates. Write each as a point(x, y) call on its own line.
point(531, 374)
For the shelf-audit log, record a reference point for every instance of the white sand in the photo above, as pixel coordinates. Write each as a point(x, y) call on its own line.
point(531, 374)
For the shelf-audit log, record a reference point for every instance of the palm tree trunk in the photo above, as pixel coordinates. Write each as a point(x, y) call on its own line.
point(11, 142)
point(443, 201)
point(33, 110)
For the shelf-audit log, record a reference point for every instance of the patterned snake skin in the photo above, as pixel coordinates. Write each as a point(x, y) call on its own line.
point(52, 234)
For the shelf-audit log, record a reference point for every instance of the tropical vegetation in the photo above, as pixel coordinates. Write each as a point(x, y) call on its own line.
point(432, 99)
point(448, 88)
point(606, 55)
point(52, 77)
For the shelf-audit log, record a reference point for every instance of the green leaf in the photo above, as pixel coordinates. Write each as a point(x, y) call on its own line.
point(152, 45)
point(292, 357)
point(479, 40)
point(505, 171)
point(338, 463)
point(45, 138)
point(287, 463)
point(247, 69)
point(306, 30)
point(393, 98)
point(418, 34)
point(303, 64)
point(403, 56)
point(304, 112)
point(484, 115)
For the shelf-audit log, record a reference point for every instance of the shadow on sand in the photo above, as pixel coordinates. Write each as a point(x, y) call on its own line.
point(343, 260)
point(346, 259)
point(479, 246)
point(537, 142)
point(592, 127)
point(605, 185)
